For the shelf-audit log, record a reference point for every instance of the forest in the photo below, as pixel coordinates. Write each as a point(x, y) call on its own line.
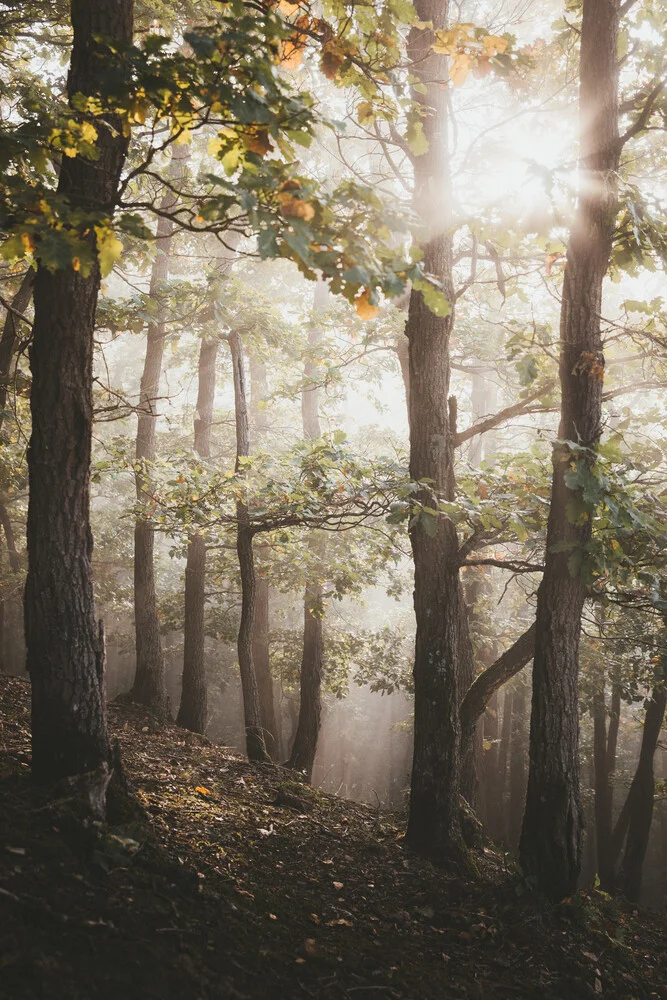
point(333, 499)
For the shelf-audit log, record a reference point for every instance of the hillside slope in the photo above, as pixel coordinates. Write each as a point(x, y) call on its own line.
point(240, 883)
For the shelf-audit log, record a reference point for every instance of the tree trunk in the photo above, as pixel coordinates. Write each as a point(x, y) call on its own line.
point(193, 708)
point(255, 746)
point(518, 759)
point(261, 651)
point(433, 821)
point(603, 793)
point(641, 795)
point(503, 758)
point(304, 747)
point(553, 823)
point(149, 686)
point(487, 683)
point(65, 642)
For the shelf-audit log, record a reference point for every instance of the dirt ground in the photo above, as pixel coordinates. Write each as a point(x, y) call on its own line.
point(234, 880)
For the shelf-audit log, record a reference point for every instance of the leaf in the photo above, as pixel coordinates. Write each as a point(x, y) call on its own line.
point(203, 790)
point(295, 208)
point(332, 59)
point(109, 249)
point(257, 141)
point(417, 141)
point(493, 44)
point(364, 307)
point(462, 63)
point(434, 298)
point(338, 885)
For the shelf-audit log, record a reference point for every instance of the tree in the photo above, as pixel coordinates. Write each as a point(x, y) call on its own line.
point(552, 829)
point(304, 747)
point(193, 707)
point(65, 641)
point(255, 745)
point(433, 819)
point(149, 681)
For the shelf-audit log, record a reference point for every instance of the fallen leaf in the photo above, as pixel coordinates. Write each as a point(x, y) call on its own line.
point(338, 885)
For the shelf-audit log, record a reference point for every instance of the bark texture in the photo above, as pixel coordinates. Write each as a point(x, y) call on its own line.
point(551, 838)
point(433, 821)
point(304, 748)
point(193, 708)
point(149, 686)
point(65, 642)
point(255, 746)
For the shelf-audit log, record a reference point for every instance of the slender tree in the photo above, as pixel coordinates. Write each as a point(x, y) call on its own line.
point(261, 651)
point(255, 746)
point(304, 748)
point(193, 707)
point(551, 837)
point(65, 642)
point(149, 686)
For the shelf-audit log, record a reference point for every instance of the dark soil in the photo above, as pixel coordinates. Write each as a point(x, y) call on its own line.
point(235, 881)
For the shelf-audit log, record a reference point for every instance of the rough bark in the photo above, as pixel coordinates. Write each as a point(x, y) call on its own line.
point(304, 747)
point(255, 746)
point(193, 708)
point(553, 823)
point(149, 686)
point(641, 795)
point(433, 821)
point(261, 651)
point(65, 642)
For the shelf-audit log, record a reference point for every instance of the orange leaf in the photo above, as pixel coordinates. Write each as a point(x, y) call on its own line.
point(365, 309)
point(203, 791)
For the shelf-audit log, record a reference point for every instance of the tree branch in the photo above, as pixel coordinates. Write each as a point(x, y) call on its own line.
point(503, 669)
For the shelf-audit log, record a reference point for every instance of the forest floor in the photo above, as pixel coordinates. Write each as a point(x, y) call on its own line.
point(235, 881)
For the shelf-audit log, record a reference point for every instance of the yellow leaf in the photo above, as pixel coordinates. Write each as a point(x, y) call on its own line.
point(493, 44)
point(76, 263)
point(287, 8)
point(202, 790)
point(365, 112)
point(109, 249)
point(461, 65)
point(365, 309)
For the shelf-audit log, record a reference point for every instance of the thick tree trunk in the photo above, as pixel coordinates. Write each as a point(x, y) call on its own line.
point(552, 831)
point(304, 747)
point(255, 746)
point(149, 686)
point(433, 821)
point(65, 642)
point(261, 651)
point(193, 708)
point(641, 796)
